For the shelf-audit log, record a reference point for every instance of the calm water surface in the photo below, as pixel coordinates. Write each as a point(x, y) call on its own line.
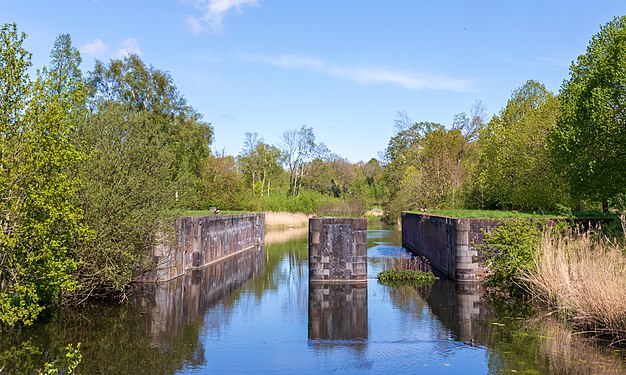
point(257, 314)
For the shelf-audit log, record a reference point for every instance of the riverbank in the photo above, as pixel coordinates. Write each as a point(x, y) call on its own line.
point(582, 277)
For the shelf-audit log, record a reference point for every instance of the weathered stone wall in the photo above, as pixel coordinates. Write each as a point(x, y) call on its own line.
point(202, 240)
point(338, 249)
point(447, 243)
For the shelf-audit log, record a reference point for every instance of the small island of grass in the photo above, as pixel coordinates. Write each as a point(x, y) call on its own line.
point(395, 277)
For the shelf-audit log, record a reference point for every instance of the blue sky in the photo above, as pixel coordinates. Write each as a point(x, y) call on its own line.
point(343, 67)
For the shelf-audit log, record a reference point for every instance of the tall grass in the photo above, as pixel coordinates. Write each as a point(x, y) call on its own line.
point(583, 277)
point(286, 219)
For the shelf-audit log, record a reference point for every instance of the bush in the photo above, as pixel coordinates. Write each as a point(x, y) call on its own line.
point(509, 251)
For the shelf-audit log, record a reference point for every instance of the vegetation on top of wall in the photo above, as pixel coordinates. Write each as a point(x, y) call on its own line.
point(490, 214)
point(502, 214)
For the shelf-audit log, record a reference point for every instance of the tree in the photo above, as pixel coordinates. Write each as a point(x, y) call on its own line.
point(144, 88)
point(589, 141)
point(126, 197)
point(260, 163)
point(515, 168)
point(64, 72)
point(223, 186)
point(298, 149)
point(40, 224)
point(469, 127)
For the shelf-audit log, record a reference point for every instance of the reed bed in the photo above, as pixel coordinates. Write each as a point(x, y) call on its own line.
point(286, 220)
point(582, 277)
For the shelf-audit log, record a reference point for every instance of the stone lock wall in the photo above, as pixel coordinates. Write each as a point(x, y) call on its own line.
point(202, 240)
point(338, 249)
point(447, 243)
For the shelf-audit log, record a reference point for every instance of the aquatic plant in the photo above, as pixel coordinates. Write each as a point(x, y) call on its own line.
point(398, 276)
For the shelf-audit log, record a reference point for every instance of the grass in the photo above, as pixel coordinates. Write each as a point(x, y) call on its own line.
point(582, 278)
point(210, 213)
point(396, 276)
point(497, 214)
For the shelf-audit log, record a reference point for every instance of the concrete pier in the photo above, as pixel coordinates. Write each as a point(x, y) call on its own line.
point(338, 250)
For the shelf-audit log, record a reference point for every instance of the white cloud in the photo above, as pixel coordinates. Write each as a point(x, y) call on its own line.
point(366, 75)
point(127, 47)
point(194, 24)
point(94, 49)
point(213, 11)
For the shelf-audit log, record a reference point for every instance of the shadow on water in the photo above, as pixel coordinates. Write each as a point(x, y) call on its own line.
point(257, 313)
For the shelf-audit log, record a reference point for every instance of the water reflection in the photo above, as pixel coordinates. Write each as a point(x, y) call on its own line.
point(259, 314)
point(338, 311)
point(177, 303)
point(459, 307)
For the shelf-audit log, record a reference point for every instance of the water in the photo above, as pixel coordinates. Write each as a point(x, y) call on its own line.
point(258, 314)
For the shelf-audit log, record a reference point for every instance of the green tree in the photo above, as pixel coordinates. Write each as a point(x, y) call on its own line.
point(65, 74)
point(516, 169)
point(144, 88)
point(260, 164)
point(298, 149)
point(469, 127)
point(223, 186)
point(126, 196)
point(589, 141)
point(39, 222)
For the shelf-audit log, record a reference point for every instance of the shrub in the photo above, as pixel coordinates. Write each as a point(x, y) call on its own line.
point(509, 251)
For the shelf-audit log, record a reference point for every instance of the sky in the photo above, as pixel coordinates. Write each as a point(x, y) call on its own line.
point(343, 67)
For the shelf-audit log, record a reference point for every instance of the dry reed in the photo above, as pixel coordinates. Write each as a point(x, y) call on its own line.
point(286, 220)
point(583, 278)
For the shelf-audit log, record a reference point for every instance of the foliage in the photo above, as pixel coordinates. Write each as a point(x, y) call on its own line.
point(260, 164)
point(222, 186)
point(516, 170)
point(149, 90)
point(40, 223)
point(64, 73)
point(428, 165)
point(65, 365)
point(509, 251)
point(308, 202)
point(589, 141)
point(127, 195)
point(298, 149)
point(395, 277)
point(494, 214)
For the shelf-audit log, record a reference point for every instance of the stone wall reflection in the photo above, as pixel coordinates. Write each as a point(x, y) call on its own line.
point(338, 311)
point(459, 307)
point(173, 305)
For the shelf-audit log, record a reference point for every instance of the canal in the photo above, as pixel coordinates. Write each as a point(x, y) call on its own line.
point(257, 314)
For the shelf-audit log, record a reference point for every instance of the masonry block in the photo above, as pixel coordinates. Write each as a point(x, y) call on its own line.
point(334, 245)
